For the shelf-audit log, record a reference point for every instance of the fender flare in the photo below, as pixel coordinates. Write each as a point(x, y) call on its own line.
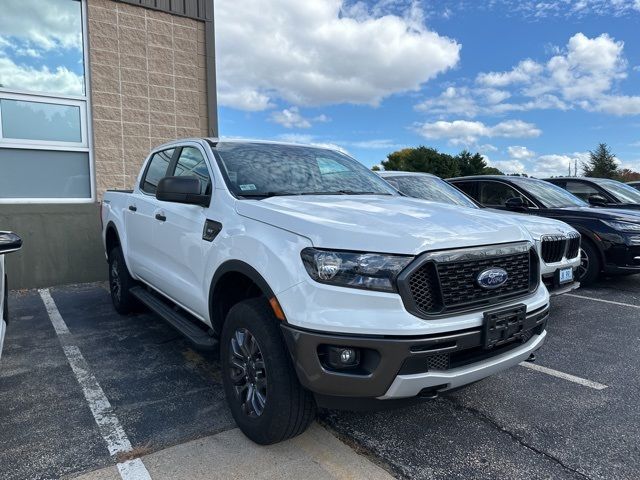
point(586, 234)
point(236, 266)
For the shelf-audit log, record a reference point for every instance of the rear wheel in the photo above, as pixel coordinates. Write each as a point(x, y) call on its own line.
point(590, 267)
point(262, 388)
point(120, 283)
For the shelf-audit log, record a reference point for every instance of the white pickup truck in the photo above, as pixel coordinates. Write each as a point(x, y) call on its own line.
point(320, 283)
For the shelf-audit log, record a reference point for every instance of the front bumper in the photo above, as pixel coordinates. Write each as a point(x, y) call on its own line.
point(623, 256)
point(552, 282)
point(394, 368)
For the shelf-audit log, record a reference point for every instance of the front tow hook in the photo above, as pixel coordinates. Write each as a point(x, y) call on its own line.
point(532, 358)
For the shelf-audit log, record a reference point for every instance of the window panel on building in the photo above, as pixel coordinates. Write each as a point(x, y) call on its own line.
point(44, 174)
point(40, 121)
point(44, 131)
point(41, 47)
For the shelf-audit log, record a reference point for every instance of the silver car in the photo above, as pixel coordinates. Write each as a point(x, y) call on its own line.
point(9, 242)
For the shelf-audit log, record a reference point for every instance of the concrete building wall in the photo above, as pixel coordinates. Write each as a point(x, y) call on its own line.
point(148, 85)
point(61, 244)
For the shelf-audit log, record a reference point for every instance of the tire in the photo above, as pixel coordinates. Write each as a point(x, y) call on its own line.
point(120, 283)
point(253, 352)
point(590, 264)
point(5, 305)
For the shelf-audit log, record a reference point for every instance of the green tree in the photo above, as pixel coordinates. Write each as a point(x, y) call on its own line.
point(474, 165)
point(422, 159)
point(376, 168)
point(601, 163)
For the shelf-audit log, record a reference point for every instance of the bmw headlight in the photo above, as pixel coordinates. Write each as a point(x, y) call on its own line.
point(371, 271)
point(623, 226)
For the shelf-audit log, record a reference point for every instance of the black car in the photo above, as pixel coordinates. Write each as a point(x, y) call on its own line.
point(635, 185)
point(600, 192)
point(610, 237)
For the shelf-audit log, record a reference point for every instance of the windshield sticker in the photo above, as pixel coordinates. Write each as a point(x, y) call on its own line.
point(328, 165)
point(247, 186)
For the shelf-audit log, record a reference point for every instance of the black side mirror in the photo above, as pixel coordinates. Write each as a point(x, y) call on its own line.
point(182, 190)
point(597, 201)
point(515, 203)
point(9, 242)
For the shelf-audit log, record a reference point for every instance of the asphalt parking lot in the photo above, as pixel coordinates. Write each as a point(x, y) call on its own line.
point(576, 415)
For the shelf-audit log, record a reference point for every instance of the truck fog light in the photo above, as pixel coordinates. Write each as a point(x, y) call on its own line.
point(343, 357)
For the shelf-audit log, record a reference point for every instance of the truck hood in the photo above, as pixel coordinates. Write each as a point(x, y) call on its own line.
point(387, 224)
point(539, 226)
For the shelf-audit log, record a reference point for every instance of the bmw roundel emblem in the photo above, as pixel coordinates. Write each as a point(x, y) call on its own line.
point(492, 278)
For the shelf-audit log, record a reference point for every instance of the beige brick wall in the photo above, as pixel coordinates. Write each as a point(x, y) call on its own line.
point(148, 85)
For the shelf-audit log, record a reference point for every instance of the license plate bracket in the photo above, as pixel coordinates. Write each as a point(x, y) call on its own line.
point(504, 326)
point(565, 275)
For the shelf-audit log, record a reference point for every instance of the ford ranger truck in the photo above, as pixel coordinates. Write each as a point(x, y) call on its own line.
point(320, 284)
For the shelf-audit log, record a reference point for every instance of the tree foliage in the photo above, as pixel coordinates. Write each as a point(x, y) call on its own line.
point(430, 160)
point(627, 175)
point(601, 163)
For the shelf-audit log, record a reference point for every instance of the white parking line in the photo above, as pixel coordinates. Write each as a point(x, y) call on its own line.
point(565, 376)
point(601, 300)
point(108, 424)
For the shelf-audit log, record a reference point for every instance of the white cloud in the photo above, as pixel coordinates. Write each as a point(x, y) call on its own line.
point(319, 53)
point(584, 74)
point(60, 80)
point(376, 144)
point(520, 153)
point(292, 118)
point(521, 73)
point(463, 132)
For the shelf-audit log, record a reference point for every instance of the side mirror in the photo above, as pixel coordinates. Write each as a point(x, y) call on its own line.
point(597, 201)
point(515, 203)
point(9, 242)
point(182, 190)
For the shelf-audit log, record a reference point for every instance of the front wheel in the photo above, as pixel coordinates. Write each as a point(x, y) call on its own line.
point(589, 268)
point(262, 388)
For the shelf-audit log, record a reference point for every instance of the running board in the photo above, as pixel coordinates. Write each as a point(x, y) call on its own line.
point(199, 336)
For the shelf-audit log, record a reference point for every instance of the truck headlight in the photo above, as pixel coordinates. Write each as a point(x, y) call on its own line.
point(371, 271)
point(623, 226)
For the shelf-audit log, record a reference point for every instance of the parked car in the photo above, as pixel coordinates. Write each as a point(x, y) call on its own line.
point(322, 284)
point(635, 185)
point(610, 237)
point(558, 244)
point(600, 192)
point(9, 242)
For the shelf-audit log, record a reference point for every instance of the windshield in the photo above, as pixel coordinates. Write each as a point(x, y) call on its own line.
point(430, 188)
point(550, 195)
point(623, 192)
point(264, 170)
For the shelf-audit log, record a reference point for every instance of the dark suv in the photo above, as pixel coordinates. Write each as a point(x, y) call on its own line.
point(610, 238)
point(600, 192)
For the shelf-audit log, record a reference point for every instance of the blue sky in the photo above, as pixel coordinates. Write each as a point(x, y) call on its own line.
point(531, 85)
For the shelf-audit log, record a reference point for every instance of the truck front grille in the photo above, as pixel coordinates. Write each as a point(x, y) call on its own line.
point(446, 281)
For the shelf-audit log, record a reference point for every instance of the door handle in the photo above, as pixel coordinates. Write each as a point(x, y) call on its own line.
point(133, 208)
point(160, 217)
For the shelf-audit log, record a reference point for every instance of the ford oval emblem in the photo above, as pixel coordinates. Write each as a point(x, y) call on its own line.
point(492, 278)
